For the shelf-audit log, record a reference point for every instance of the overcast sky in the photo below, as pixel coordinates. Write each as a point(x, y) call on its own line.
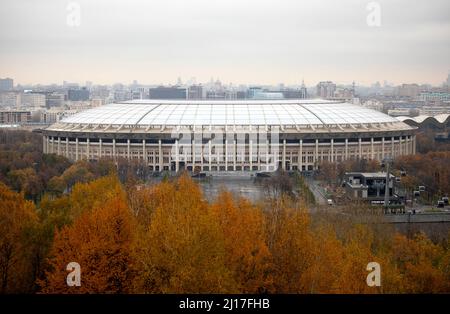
point(239, 41)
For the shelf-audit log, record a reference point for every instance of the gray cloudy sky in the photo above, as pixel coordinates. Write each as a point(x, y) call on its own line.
point(239, 41)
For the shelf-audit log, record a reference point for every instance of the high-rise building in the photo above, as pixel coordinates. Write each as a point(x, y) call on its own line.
point(326, 89)
point(34, 100)
point(303, 91)
point(162, 92)
point(11, 99)
point(195, 92)
point(54, 100)
point(409, 90)
point(6, 84)
point(78, 94)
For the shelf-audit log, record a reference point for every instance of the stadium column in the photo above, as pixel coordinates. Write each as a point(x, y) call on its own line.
point(176, 156)
point(234, 154)
point(52, 141)
point(400, 144)
point(332, 151)
point(414, 144)
point(250, 153)
point(382, 147)
point(360, 148)
point(300, 155)
point(283, 157)
point(193, 155)
point(144, 152)
point(160, 154)
point(128, 149)
point(267, 154)
point(392, 147)
point(76, 149)
point(226, 154)
point(114, 149)
point(346, 148)
point(59, 146)
point(67, 147)
point(316, 152)
point(99, 148)
point(87, 148)
point(372, 153)
point(408, 145)
point(209, 155)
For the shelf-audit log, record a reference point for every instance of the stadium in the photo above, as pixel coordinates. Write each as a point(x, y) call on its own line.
point(230, 135)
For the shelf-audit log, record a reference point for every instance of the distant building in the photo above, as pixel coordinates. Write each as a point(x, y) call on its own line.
point(54, 100)
point(241, 94)
point(343, 94)
point(370, 187)
point(6, 84)
point(34, 100)
point(434, 95)
point(294, 93)
point(399, 112)
point(162, 92)
point(15, 117)
point(326, 89)
point(97, 102)
point(409, 90)
point(195, 92)
point(216, 94)
point(54, 115)
point(78, 94)
point(259, 93)
point(122, 95)
point(11, 99)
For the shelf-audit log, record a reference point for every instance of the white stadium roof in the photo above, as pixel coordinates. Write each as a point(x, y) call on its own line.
point(142, 113)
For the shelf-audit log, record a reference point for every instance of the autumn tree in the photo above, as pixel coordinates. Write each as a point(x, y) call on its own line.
point(247, 255)
point(26, 180)
point(422, 264)
point(182, 249)
point(101, 241)
point(17, 219)
point(290, 244)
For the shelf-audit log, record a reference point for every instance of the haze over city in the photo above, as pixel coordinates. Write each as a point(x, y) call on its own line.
point(264, 42)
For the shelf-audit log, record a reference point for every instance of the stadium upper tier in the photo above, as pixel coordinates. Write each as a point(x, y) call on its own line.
point(298, 113)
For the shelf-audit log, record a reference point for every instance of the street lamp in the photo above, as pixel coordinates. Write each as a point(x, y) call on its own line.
point(387, 163)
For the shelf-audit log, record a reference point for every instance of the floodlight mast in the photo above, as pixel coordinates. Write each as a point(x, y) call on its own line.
point(387, 161)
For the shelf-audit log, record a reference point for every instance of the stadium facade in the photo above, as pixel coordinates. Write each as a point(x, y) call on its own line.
point(230, 135)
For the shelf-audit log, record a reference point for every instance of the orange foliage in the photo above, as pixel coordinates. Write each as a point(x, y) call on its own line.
point(101, 241)
point(17, 219)
point(247, 254)
point(166, 238)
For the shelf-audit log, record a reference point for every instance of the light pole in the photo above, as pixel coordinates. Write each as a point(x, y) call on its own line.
point(387, 162)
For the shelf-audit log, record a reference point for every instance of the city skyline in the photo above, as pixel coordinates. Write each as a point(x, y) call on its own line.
point(265, 42)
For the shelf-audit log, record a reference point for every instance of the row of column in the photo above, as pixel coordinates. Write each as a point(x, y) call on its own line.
point(409, 148)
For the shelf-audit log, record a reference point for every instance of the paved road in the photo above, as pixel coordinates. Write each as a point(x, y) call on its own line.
point(317, 191)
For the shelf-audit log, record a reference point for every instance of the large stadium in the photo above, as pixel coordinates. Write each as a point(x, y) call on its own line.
point(230, 135)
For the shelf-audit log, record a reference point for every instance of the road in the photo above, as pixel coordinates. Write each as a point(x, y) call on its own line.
point(318, 191)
